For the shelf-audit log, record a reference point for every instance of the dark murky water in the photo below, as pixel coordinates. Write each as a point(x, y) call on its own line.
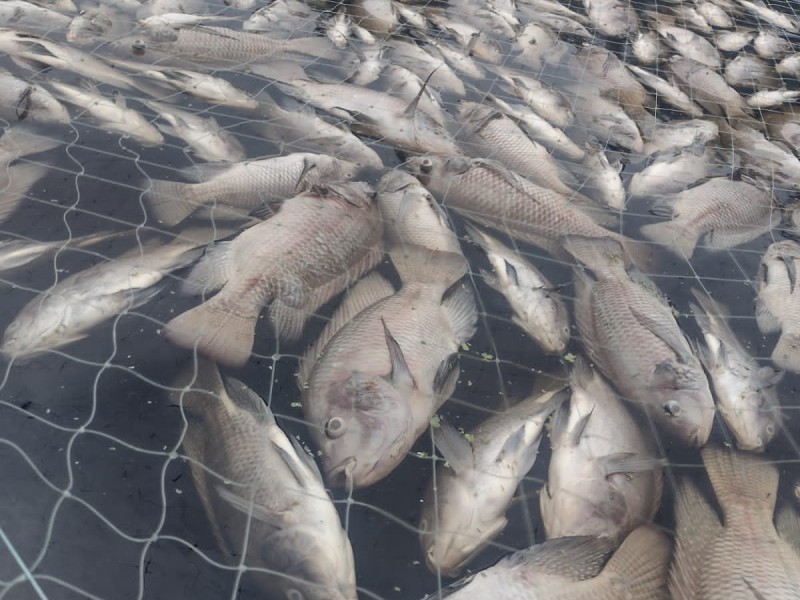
point(96, 501)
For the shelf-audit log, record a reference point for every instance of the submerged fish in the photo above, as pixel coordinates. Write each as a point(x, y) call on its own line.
point(386, 370)
point(258, 485)
point(746, 394)
point(328, 232)
point(538, 307)
point(475, 488)
point(604, 478)
point(571, 568)
point(737, 555)
point(631, 334)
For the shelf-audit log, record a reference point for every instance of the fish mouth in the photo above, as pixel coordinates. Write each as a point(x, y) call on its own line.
point(341, 475)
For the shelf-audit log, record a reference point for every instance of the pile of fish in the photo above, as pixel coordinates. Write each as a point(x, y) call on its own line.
point(606, 140)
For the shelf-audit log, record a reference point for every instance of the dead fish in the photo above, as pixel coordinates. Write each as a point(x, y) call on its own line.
point(259, 486)
point(673, 171)
point(247, 185)
point(604, 478)
point(614, 18)
point(113, 116)
point(487, 193)
point(733, 41)
point(567, 568)
point(667, 92)
point(739, 554)
point(315, 237)
point(475, 487)
point(772, 98)
point(66, 312)
point(763, 12)
point(21, 101)
point(630, 333)
point(771, 44)
point(204, 135)
point(386, 369)
point(19, 252)
point(726, 213)
point(691, 45)
point(647, 48)
point(746, 394)
point(213, 90)
point(751, 73)
point(675, 135)
point(537, 305)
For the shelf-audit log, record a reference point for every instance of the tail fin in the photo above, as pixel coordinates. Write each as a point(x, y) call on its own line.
point(22, 141)
point(224, 336)
point(787, 352)
point(422, 265)
point(641, 564)
point(20, 179)
point(677, 237)
point(167, 202)
point(741, 479)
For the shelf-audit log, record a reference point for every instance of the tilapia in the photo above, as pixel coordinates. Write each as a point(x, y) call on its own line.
point(771, 44)
point(647, 48)
point(789, 65)
point(764, 159)
point(714, 14)
point(544, 101)
point(708, 88)
point(604, 478)
point(317, 236)
point(777, 302)
point(673, 171)
point(21, 100)
point(667, 92)
point(567, 569)
point(301, 129)
point(203, 134)
point(751, 73)
point(387, 367)
point(630, 333)
point(614, 18)
point(285, 15)
point(424, 64)
point(91, 26)
point(605, 122)
point(537, 305)
point(67, 311)
point(489, 194)
point(465, 504)
point(601, 179)
point(487, 133)
point(746, 394)
point(725, 213)
point(690, 45)
point(26, 15)
point(213, 90)
point(733, 41)
point(739, 555)
point(772, 98)
point(787, 524)
point(675, 135)
point(262, 493)
point(376, 16)
point(19, 252)
point(111, 115)
point(247, 186)
point(764, 13)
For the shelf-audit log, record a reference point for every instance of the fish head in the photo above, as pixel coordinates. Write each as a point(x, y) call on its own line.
point(686, 413)
point(756, 417)
point(368, 431)
point(310, 563)
point(337, 169)
point(458, 524)
point(433, 171)
point(355, 194)
point(33, 331)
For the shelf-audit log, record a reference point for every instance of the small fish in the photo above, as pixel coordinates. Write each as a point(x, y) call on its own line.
point(614, 18)
point(690, 45)
point(751, 73)
point(673, 171)
point(213, 90)
point(538, 307)
point(258, 485)
point(789, 65)
point(247, 185)
point(725, 213)
point(24, 101)
point(476, 485)
point(314, 238)
point(708, 88)
point(572, 568)
point(604, 478)
point(771, 44)
point(630, 333)
point(747, 396)
point(27, 15)
point(279, 15)
point(667, 92)
point(674, 135)
point(772, 98)
point(90, 26)
point(733, 41)
point(647, 48)
point(763, 12)
point(67, 311)
point(111, 115)
point(16, 178)
point(19, 252)
point(204, 135)
point(387, 368)
point(738, 554)
point(714, 14)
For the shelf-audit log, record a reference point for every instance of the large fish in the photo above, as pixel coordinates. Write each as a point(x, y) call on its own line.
point(317, 236)
point(725, 213)
point(631, 335)
point(386, 370)
point(604, 478)
point(248, 185)
point(570, 569)
point(486, 192)
point(259, 486)
point(738, 554)
point(747, 396)
point(465, 505)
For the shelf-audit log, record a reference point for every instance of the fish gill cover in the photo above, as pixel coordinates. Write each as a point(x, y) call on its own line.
point(398, 299)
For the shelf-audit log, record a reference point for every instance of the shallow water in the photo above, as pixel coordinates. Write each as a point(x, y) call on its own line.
point(97, 501)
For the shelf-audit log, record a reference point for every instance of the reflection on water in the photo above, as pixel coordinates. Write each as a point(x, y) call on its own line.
point(98, 501)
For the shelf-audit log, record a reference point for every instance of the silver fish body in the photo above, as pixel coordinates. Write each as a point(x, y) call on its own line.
point(21, 101)
point(258, 485)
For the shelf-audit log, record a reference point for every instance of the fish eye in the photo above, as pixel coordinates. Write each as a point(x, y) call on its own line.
point(672, 408)
point(770, 429)
point(426, 166)
point(294, 595)
point(335, 428)
point(138, 47)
